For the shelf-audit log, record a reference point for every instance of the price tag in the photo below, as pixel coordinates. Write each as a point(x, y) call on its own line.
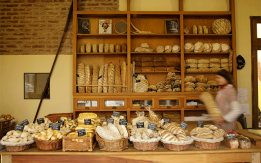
point(176, 68)
point(25, 122)
point(135, 75)
point(100, 77)
point(187, 67)
point(183, 125)
point(149, 90)
point(137, 81)
point(40, 120)
point(201, 124)
point(61, 122)
point(116, 113)
point(167, 121)
point(19, 127)
point(145, 76)
point(56, 126)
point(110, 121)
point(51, 125)
point(231, 136)
point(87, 121)
point(81, 132)
point(152, 126)
point(123, 122)
point(176, 86)
point(140, 124)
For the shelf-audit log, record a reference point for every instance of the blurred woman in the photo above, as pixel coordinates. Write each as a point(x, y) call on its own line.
point(227, 101)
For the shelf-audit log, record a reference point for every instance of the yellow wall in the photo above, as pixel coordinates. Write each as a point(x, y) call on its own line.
point(259, 95)
point(13, 69)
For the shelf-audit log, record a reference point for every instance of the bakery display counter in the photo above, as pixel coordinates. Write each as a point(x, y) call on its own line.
point(193, 154)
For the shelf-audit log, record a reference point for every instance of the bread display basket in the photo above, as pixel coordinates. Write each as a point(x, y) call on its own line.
point(17, 147)
point(145, 145)
point(48, 145)
point(207, 143)
point(177, 145)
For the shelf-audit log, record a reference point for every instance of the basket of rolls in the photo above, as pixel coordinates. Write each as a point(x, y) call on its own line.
point(16, 141)
point(174, 138)
point(113, 135)
point(207, 137)
point(144, 133)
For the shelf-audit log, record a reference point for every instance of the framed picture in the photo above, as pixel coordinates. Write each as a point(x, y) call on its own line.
point(83, 26)
point(171, 26)
point(34, 84)
point(105, 26)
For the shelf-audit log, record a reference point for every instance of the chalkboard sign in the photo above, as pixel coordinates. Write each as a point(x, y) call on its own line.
point(25, 122)
point(40, 120)
point(201, 124)
point(167, 121)
point(123, 122)
point(110, 121)
point(51, 125)
point(231, 136)
point(87, 121)
point(100, 77)
point(19, 127)
point(150, 90)
point(145, 76)
point(116, 113)
point(152, 126)
point(81, 132)
point(61, 122)
point(56, 126)
point(135, 75)
point(176, 86)
point(183, 125)
point(187, 67)
point(137, 81)
point(140, 124)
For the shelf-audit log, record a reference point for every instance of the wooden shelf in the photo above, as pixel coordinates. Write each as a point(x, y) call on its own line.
point(207, 35)
point(155, 53)
point(200, 72)
point(207, 13)
point(151, 35)
point(101, 35)
point(206, 53)
point(155, 72)
point(120, 53)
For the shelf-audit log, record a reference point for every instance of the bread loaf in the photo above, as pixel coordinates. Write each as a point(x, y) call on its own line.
point(191, 61)
point(105, 79)
point(101, 48)
point(95, 78)
point(88, 78)
point(189, 47)
point(198, 47)
point(216, 47)
point(225, 47)
point(111, 78)
point(189, 85)
point(106, 48)
point(94, 48)
point(182, 137)
point(205, 136)
point(189, 90)
point(118, 82)
point(199, 130)
point(82, 48)
point(88, 48)
point(203, 61)
point(214, 65)
point(201, 78)
point(192, 70)
point(81, 77)
point(200, 89)
point(160, 49)
point(192, 65)
point(200, 30)
point(124, 47)
point(195, 29)
point(214, 60)
point(159, 59)
point(168, 49)
point(166, 135)
point(205, 29)
point(147, 59)
point(199, 84)
point(207, 47)
point(219, 133)
point(190, 79)
point(203, 65)
point(123, 76)
point(203, 69)
point(176, 49)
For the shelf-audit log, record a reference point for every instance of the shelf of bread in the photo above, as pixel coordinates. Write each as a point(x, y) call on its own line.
point(151, 35)
point(155, 72)
point(205, 53)
point(205, 13)
point(102, 53)
point(101, 35)
point(207, 35)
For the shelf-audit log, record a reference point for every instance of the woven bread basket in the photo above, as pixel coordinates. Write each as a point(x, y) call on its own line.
point(206, 145)
point(120, 27)
point(221, 26)
point(17, 148)
point(48, 145)
point(145, 146)
point(173, 147)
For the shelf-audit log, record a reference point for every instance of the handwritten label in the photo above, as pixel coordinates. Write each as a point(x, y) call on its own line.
point(100, 77)
point(176, 86)
point(140, 124)
point(135, 75)
point(116, 113)
point(19, 127)
point(152, 126)
point(123, 122)
point(61, 122)
point(137, 81)
point(110, 121)
point(81, 132)
point(231, 136)
point(56, 126)
point(40, 120)
point(87, 121)
point(167, 121)
point(201, 124)
point(51, 125)
point(149, 90)
point(183, 125)
point(25, 122)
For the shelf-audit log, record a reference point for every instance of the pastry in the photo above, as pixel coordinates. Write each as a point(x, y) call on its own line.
point(176, 49)
point(189, 47)
point(198, 47)
point(207, 47)
point(211, 127)
point(167, 135)
point(216, 47)
point(94, 48)
point(145, 45)
point(106, 48)
point(168, 49)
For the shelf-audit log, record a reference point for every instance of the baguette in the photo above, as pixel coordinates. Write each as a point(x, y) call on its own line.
point(95, 78)
point(105, 79)
point(100, 79)
point(123, 76)
point(117, 89)
point(111, 78)
point(88, 78)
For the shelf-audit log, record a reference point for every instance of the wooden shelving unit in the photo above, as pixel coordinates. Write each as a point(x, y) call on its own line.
point(153, 21)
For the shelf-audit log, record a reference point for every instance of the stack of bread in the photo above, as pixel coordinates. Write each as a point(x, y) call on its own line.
point(90, 128)
point(172, 84)
point(199, 29)
point(200, 83)
point(144, 47)
point(207, 137)
point(144, 131)
point(174, 137)
point(113, 131)
point(36, 128)
point(168, 49)
point(68, 123)
point(199, 47)
point(49, 134)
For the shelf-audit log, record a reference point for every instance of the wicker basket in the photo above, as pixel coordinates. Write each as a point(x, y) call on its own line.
point(48, 145)
point(206, 145)
point(55, 117)
point(120, 27)
point(146, 146)
point(114, 145)
point(173, 147)
point(79, 143)
point(17, 148)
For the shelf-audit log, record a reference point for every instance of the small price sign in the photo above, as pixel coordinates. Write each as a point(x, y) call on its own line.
point(87, 121)
point(19, 127)
point(183, 125)
point(231, 136)
point(25, 122)
point(201, 124)
point(51, 125)
point(110, 121)
point(116, 113)
point(152, 126)
point(61, 122)
point(40, 120)
point(56, 126)
point(123, 122)
point(81, 132)
point(140, 124)
point(167, 121)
